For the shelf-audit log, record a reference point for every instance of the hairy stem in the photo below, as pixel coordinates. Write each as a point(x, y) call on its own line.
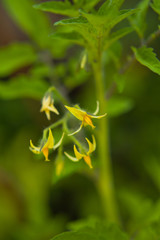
point(105, 184)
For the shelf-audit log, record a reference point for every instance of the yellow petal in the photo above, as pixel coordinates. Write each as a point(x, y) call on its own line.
point(73, 159)
point(92, 146)
point(50, 141)
point(77, 112)
point(45, 153)
point(45, 103)
point(78, 154)
point(78, 130)
point(87, 159)
point(59, 142)
point(97, 109)
point(87, 121)
point(34, 149)
point(101, 116)
point(53, 109)
point(59, 166)
point(47, 112)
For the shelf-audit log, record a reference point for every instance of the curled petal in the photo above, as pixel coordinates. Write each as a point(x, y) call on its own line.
point(92, 146)
point(101, 116)
point(78, 154)
point(71, 158)
point(59, 142)
point(78, 130)
point(97, 109)
point(53, 109)
point(34, 149)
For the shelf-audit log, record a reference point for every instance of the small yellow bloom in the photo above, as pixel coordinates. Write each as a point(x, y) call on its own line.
point(83, 61)
point(84, 117)
point(59, 166)
point(49, 144)
point(48, 106)
point(86, 157)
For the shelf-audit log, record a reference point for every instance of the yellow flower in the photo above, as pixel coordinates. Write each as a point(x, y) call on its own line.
point(86, 157)
point(84, 117)
point(44, 148)
point(47, 106)
point(59, 166)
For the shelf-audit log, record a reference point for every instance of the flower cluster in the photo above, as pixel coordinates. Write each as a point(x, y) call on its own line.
point(48, 143)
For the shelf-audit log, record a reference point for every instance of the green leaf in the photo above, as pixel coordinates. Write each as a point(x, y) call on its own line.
point(121, 16)
point(66, 8)
point(85, 4)
point(147, 57)
point(72, 37)
point(63, 8)
point(141, 211)
point(81, 26)
point(15, 56)
point(89, 4)
point(109, 20)
point(138, 20)
point(156, 6)
point(108, 6)
point(34, 23)
point(116, 36)
point(150, 232)
point(117, 106)
point(82, 223)
point(72, 21)
point(100, 231)
point(23, 86)
point(95, 19)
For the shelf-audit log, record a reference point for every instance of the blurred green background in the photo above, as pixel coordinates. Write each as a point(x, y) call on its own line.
point(32, 204)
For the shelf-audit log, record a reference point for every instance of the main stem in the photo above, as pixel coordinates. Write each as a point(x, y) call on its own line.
point(105, 182)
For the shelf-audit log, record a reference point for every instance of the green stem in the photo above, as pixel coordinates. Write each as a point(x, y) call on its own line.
point(59, 95)
point(54, 125)
point(105, 184)
point(74, 139)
